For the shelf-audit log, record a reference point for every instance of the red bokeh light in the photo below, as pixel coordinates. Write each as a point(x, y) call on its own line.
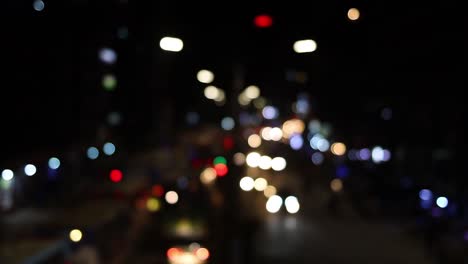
point(116, 175)
point(263, 21)
point(157, 190)
point(221, 169)
point(228, 143)
point(173, 252)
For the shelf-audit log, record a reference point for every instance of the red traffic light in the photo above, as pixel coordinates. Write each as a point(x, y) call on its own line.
point(263, 21)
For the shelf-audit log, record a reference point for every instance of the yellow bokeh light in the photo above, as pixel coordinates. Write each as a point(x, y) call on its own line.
point(254, 141)
point(336, 185)
point(205, 76)
point(220, 97)
point(293, 126)
point(153, 204)
point(243, 99)
point(260, 184)
point(353, 14)
point(76, 235)
point(208, 175)
point(211, 92)
point(269, 191)
point(252, 92)
point(338, 148)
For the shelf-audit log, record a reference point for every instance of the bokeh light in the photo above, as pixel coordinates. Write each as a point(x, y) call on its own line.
point(107, 55)
point(305, 46)
point(265, 132)
point(336, 185)
point(276, 134)
point(239, 159)
point(38, 5)
point(171, 197)
point(76, 235)
point(116, 175)
point(263, 21)
point(172, 253)
point(323, 145)
point(243, 99)
point(208, 175)
point(270, 112)
point(442, 202)
point(353, 14)
point(292, 204)
point(278, 163)
point(259, 103)
point(425, 195)
point(274, 204)
point(338, 148)
point(377, 154)
point(153, 204)
point(7, 175)
point(227, 123)
point(219, 160)
point(92, 153)
point(260, 184)
point(386, 155)
point(254, 141)
point(108, 148)
point(221, 169)
point(54, 163)
point(252, 92)
point(265, 162)
point(364, 154)
point(30, 170)
point(296, 142)
point(202, 254)
point(157, 190)
point(220, 98)
point(314, 126)
point(247, 183)
point(317, 158)
point(293, 126)
point(211, 92)
point(269, 191)
point(109, 82)
point(253, 159)
point(205, 76)
point(171, 44)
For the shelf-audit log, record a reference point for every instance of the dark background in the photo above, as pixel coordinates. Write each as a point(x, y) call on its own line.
point(398, 56)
